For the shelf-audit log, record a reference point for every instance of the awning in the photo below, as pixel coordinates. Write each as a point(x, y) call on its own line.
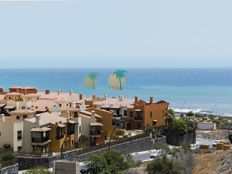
point(95, 124)
point(71, 122)
point(61, 125)
point(40, 129)
point(9, 107)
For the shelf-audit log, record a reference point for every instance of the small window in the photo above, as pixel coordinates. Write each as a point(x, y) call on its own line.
point(75, 114)
point(24, 116)
point(19, 135)
point(19, 148)
point(131, 114)
point(79, 129)
point(17, 117)
point(151, 114)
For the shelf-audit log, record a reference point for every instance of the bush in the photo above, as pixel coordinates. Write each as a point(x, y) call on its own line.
point(7, 157)
point(110, 162)
point(179, 126)
point(163, 166)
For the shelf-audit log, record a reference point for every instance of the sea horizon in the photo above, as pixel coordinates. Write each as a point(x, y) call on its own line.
point(185, 88)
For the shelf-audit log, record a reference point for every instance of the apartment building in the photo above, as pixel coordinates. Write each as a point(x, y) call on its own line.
point(143, 114)
point(48, 132)
point(11, 133)
point(106, 120)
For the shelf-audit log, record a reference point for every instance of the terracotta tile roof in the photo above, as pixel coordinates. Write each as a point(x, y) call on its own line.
point(48, 118)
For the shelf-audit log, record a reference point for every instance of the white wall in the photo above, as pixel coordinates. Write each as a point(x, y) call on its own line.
point(206, 126)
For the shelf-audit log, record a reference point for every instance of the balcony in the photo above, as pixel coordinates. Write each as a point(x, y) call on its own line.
point(39, 139)
point(95, 133)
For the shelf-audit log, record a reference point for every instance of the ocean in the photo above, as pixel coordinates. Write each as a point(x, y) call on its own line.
point(208, 89)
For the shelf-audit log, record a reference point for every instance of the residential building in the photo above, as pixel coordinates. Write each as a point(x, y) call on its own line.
point(48, 132)
point(11, 133)
point(143, 114)
point(107, 123)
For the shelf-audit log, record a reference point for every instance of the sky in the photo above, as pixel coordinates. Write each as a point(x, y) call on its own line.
point(115, 33)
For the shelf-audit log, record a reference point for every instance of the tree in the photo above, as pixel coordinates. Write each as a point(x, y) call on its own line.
point(163, 166)
point(179, 126)
point(7, 157)
point(120, 74)
point(110, 162)
point(90, 80)
point(185, 158)
point(93, 77)
point(38, 170)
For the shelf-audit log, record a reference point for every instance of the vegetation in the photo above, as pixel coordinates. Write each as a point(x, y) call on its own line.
point(163, 165)
point(154, 131)
point(185, 158)
point(111, 162)
point(38, 170)
point(120, 74)
point(179, 126)
point(7, 157)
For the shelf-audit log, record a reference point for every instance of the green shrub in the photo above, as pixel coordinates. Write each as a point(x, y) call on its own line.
point(179, 126)
point(110, 162)
point(163, 166)
point(7, 157)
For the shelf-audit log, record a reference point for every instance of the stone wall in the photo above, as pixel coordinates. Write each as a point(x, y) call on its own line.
point(134, 145)
point(176, 140)
point(13, 169)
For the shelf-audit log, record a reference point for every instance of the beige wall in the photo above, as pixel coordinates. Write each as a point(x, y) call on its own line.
point(8, 134)
point(106, 120)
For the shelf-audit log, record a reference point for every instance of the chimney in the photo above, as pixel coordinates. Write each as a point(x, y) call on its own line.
point(106, 96)
point(136, 99)
point(93, 97)
point(1, 90)
point(37, 119)
point(151, 100)
point(58, 92)
point(70, 92)
point(47, 91)
point(68, 114)
point(93, 114)
point(81, 96)
point(2, 117)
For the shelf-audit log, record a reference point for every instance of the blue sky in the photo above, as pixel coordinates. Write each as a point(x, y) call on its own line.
point(116, 33)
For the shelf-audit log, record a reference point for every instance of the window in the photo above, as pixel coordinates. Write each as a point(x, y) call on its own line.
point(19, 148)
point(125, 112)
point(71, 129)
point(24, 116)
point(17, 117)
point(75, 114)
point(79, 129)
point(131, 114)
point(59, 133)
point(151, 114)
point(19, 135)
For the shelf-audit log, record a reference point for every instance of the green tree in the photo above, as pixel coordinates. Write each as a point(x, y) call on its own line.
point(38, 170)
point(93, 78)
point(120, 74)
point(7, 157)
point(163, 166)
point(110, 162)
point(179, 126)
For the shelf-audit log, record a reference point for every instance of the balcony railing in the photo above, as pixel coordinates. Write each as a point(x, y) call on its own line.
point(95, 133)
point(39, 139)
point(58, 137)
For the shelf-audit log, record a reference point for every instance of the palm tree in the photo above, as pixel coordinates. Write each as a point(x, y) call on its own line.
point(93, 78)
point(120, 74)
